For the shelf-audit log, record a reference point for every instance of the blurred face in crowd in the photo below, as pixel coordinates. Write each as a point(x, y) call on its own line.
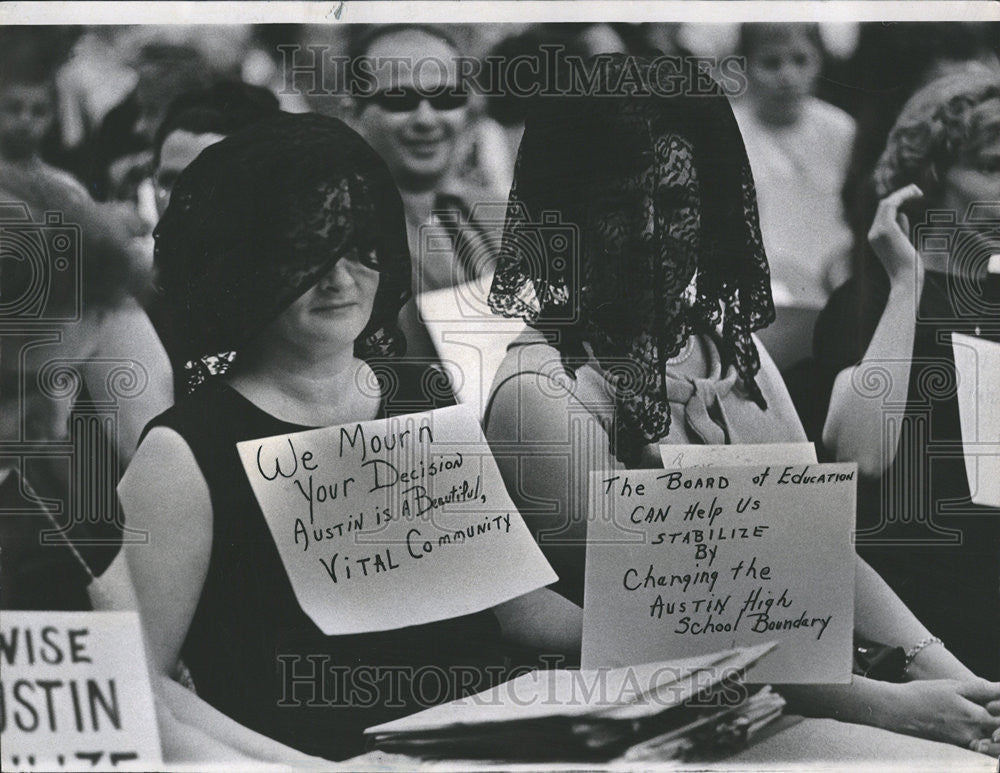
point(419, 139)
point(333, 312)
point(34, 405)
point(782, 68)
point(157, 85)
point(179, 149)
point(975, 177)
point(25, 117)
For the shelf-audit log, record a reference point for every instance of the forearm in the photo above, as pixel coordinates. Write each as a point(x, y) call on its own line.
point(190, 720)
point(855, 428)
point(863, 702)
point(182, 743)
point(881, 616)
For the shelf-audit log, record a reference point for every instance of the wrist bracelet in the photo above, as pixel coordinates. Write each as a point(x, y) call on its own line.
point(917, 648)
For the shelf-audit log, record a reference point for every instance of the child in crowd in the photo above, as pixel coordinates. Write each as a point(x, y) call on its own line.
point(27, 109)
point(799, 149)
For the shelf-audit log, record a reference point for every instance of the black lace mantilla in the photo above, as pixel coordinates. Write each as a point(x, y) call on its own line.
point(258, 218)
point(632, 223)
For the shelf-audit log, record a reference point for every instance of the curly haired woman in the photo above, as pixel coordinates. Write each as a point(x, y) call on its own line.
point(884, 341)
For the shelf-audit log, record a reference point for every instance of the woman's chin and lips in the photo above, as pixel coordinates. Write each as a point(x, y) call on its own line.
point(337, 320)
point(334, 311)
point(340, 313)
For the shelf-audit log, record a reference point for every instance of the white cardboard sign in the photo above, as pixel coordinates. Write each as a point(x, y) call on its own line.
point(677, 457)
point(393, 522)
point(685, 562)
point(75, 693)
point(977, 362)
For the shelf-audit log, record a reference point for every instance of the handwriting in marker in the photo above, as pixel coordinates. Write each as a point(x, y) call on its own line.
point(729, 554)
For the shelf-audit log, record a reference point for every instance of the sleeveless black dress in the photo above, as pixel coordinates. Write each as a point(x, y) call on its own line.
point(917, 524)
point(255, 655)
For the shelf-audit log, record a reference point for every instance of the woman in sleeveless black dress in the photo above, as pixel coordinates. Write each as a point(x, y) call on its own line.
point(283, 262)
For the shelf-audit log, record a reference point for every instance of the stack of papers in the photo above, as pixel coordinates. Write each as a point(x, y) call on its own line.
point(696, 707)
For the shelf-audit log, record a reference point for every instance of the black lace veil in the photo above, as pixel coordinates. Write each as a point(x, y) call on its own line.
point(632, 223)
point(257, 219)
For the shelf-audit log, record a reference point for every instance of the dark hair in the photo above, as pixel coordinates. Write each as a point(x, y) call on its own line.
point(755, 34)
point(510, 107)
point(27, 56)
point(172, 69)
point(363, 36)
point(223, 108)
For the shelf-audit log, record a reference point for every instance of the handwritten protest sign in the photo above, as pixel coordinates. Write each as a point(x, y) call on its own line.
point(977, 361)
point(678, 457)
point(393, 522)
point(74, 693)
point(683, 562)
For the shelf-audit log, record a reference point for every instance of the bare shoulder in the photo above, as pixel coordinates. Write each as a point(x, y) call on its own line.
point(528, 406)
point(766, 362)
point(164, 480)
point(769, 378)
point(537, 400)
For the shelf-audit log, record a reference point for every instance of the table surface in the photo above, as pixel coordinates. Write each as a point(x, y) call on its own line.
point(797, 744)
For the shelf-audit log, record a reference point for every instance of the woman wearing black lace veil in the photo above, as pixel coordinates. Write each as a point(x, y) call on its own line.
point(283, 264)
point(642, 333)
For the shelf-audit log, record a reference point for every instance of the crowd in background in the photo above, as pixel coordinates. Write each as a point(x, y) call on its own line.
point(99, 122)
point(84, 105)
point(113, 114)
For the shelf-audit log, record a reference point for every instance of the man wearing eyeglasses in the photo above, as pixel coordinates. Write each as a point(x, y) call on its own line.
point(414, 111)
point(197, 119)
point(409, 103)
point(192, 122)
